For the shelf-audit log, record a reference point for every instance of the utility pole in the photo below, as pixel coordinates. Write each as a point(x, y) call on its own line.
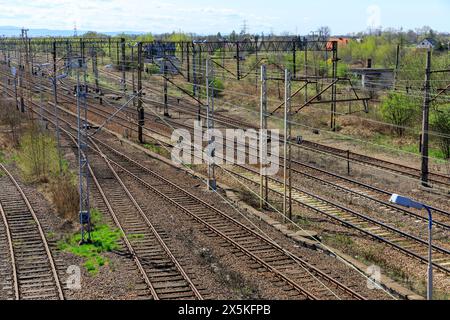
point(195, 88)
point(306, 69)
point(333, 87)
point(30, 54)
point(55, 101)
point(257, 61)
point(294, 59)
point(141, 117)
point(21, 71)
point(188, 62)
point(28, 69)
point(41, 95)
point(397, 64)
point(264, 195)
point(166, 100)
point(82, 48)
point(287, 199)
point(109, 48)
point(69, 55)
point(46, 51)
point(124, 83)
point(238, 62)
point(223, 60)
point(212, 185)
point(117, 54)
point(132, 74)
point(425, 121)
point(194, 70)
point(83, 127)
point(95, 69)
point(7, 81)
point(15, 87)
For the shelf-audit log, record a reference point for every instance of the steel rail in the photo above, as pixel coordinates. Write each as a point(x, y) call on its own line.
point(40, 231)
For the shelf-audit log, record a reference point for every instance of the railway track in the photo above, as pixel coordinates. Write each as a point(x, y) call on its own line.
point(439, 180)
point(162, 272)
point(354, 188)
point(364, 191)
point(442, 256)
point(33, 275)
point(402, 241)
point(269, 255)
point(350, 186)
point(346, 185)
point(434, 178)
point(292, 270)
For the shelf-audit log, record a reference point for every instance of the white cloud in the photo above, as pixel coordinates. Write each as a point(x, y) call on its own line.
point(129, 15)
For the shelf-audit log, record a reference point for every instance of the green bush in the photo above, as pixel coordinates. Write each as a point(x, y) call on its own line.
point(153, 69)
point(38, 156)
point(65, 196)
point(218, 87)
point(440, 122)
point(398, 109)
point(10, 116)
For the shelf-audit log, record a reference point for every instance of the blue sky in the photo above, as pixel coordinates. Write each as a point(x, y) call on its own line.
point(201, 16)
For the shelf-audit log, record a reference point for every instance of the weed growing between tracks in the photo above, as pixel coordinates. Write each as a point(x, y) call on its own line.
point(65, 196)
point(2, 160)
point(38, 159)
point(37, 156)
point(104, 239)
point(338, 239)
point(157, 149)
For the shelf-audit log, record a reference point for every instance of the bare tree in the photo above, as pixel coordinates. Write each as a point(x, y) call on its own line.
point(10, 116)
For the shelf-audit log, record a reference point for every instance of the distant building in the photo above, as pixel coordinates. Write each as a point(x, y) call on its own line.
point(341, 42)
point(375, 78)
point(427, 43)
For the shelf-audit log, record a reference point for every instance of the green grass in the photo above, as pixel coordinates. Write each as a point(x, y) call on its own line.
point(136, 236)
point(104, 239)
point(386, 140)
point(37, 156)
point(434, 153)
point(2, 160)
point(157, 149)
point(50, 235)
point(338, 239)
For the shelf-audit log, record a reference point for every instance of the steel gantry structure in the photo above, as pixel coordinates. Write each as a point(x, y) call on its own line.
point(185, 59)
